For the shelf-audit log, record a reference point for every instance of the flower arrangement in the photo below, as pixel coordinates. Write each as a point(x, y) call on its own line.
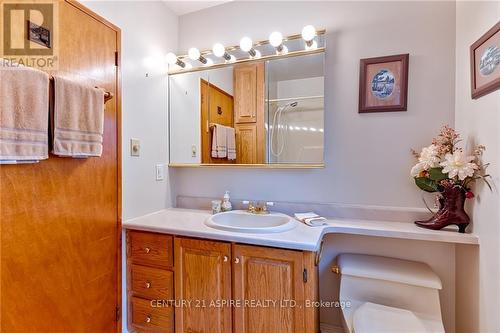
point(443, 164)
point(445, 168)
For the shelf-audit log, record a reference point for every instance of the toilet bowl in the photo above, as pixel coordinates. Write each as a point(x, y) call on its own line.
point(388, 295)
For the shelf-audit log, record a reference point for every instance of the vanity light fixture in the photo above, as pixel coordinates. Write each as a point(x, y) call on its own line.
point(194, 54)
point(246, 45)
point(276, 40)
point(220, 51)
point(308, 34)
point(173, 60)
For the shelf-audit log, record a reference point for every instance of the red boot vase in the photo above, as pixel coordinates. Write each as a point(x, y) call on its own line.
point(451, 212)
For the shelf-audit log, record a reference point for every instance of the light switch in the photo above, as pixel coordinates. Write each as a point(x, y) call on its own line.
point(193, 151)
point(160, 172)
point(135, 147)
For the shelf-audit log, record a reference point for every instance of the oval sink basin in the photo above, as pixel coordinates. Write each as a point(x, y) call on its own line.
point(242, 221)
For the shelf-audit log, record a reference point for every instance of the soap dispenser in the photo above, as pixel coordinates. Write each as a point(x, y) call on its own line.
point(226, 203)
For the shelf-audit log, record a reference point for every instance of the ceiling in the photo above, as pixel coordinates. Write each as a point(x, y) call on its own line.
point(186, 6)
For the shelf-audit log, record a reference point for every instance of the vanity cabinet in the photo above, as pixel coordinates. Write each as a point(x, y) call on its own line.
point(202, 278)
point(218, 287)
point(276, 277)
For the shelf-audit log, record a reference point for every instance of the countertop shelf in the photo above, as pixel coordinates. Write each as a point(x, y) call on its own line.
point(190, 222)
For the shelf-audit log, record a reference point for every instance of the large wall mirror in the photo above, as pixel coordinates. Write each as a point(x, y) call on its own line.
point(267, 112)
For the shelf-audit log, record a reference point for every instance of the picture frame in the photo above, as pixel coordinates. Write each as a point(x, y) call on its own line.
point(383, 83)
point(485, 63)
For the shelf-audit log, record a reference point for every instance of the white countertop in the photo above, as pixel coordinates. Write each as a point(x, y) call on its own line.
point(190, 222)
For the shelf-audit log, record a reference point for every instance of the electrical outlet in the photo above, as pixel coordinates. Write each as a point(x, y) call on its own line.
point(135, 147)
point(193, 151)
point(160, 172)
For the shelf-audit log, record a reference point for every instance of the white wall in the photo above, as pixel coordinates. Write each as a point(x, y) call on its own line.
point(149, 31)
point(479, 122)
point(367, 156)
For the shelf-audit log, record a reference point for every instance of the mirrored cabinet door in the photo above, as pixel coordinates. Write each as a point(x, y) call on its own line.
point(295, 110)
point(263, 112)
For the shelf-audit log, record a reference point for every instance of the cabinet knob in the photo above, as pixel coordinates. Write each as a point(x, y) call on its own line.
point(226, 258)
point(147, 249)
point(148, 319)
point(236, 260)
point(148, 285)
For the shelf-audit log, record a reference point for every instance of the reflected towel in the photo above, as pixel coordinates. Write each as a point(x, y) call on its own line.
point(311, 219)
point(24, 109)
point(219, 141)
point(78, 119)
point(231, 143)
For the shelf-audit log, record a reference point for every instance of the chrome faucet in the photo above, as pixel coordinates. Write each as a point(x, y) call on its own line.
point(260, 207)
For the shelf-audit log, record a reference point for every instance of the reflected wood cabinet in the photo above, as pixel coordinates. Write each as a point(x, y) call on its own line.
point(249, 86)
point(218, 286)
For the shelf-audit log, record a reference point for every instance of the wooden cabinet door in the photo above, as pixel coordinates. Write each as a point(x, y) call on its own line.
point(202, 277)
point(248, 92)
point(245, 92)
point(246, 143)
point(268, 275)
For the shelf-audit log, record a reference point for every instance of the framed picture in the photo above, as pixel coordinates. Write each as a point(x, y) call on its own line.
point(383, 83)
point(484, 63)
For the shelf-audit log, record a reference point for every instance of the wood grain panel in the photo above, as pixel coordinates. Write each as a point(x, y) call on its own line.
point(149, 318)
point(202, 276)
point(148, 248)
point(152, 283)
point(245, 92)
point(60, 218)
point(265, 274)
point(246, 143)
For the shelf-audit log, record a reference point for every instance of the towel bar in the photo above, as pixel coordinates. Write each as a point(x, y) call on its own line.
point(107, 94)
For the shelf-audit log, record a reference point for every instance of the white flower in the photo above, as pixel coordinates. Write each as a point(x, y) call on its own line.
point(458, 164)
point(417, 169)
point(428, 159)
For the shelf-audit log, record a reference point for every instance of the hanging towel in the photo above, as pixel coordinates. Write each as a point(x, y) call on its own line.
point(231, 143)
point(78, 119)
point(24, 108)
point(219, 141)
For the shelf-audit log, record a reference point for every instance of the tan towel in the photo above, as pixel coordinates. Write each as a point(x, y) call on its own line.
point(24, 109)
point(231, 143)
point(78, 119)
point(219, 141)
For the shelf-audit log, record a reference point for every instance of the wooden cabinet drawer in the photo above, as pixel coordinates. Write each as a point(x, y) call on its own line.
point(146, 318)
point(151, 282)
point(150, 249)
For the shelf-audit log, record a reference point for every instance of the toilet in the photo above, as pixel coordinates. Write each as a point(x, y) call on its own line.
point(388, 295)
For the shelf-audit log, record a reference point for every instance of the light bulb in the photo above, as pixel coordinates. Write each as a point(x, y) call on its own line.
point(171, 58)
point(246, 44)
point(257, 54)
point(311, 45)
point(219, 50)
point(275, 39)
point(308, 33)
point(194, 53)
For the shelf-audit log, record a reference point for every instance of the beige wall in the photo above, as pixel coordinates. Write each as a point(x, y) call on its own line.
point(479, 122)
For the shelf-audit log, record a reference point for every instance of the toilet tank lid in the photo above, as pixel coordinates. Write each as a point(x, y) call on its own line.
point(388, 269)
